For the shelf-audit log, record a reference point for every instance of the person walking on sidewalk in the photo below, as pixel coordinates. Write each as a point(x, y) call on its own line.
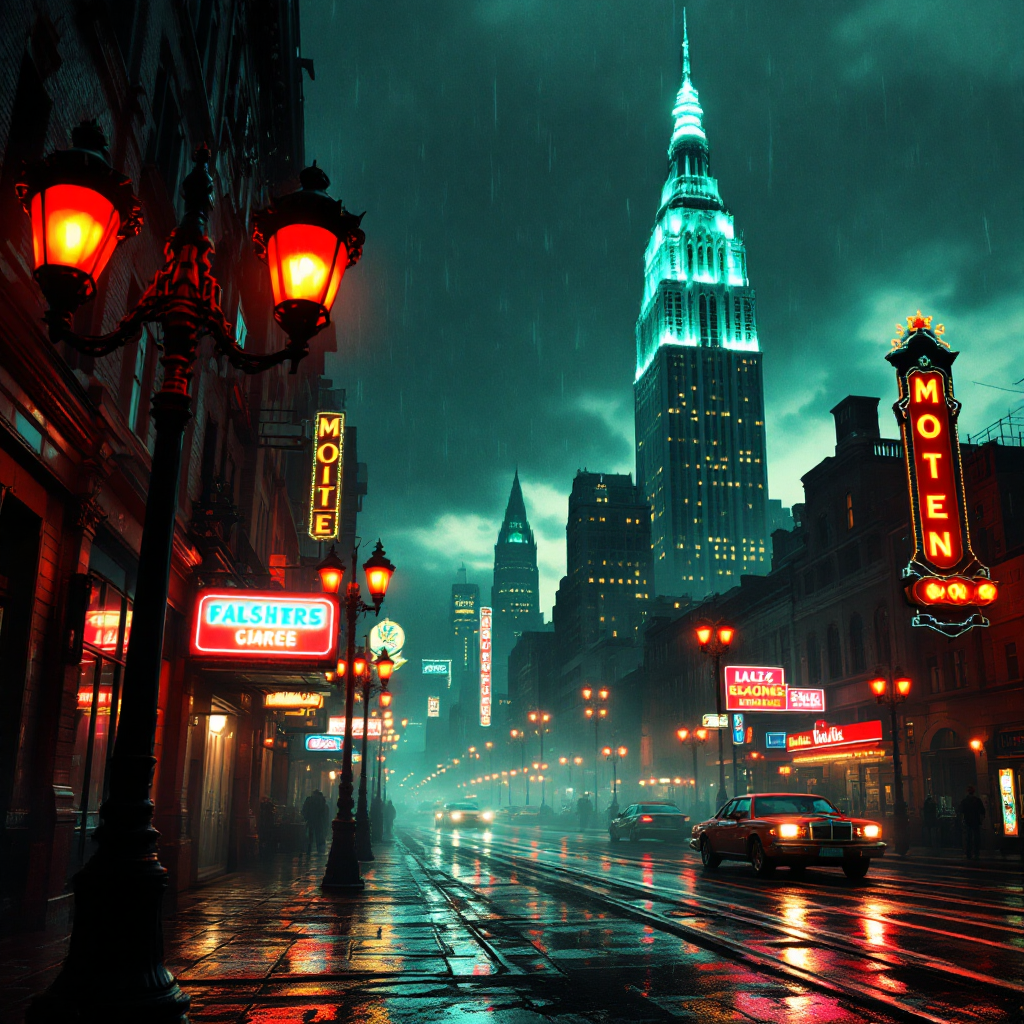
point(389, 821)
point(584, 808)
point(930, 814)
point(314, 813)
point(972, 810)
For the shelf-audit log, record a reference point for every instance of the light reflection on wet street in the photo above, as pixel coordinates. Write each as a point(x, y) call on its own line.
point(522, 926)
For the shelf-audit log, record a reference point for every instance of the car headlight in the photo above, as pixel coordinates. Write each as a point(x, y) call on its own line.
point(789, 831)
point(438, 815)
point(872, 831)
point(456, 815)
point(488, 815)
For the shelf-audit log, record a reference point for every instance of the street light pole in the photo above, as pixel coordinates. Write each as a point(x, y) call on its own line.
point(714, 640)
point(114, 969)
point(364, 848)
point(596, 709)
point(893, 692)
point(342, 871)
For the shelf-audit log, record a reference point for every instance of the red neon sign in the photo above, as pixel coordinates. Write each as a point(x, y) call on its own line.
point(336, 727)
point(752, 688)
point(253, 625)
point(932, 428)
point(485, 666)
point(828, 736)
point(805, 700)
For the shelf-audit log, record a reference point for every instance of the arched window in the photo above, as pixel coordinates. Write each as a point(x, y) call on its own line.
point(813, 659)
point(946, 739)
point(689, 258)
point(704, 320)
point(835, 653)
point(883, 649)
point(713, 318)
point(721, 264)
point(700, 259)
point(856, 643)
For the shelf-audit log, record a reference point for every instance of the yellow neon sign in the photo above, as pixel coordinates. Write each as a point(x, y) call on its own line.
point(328, 461)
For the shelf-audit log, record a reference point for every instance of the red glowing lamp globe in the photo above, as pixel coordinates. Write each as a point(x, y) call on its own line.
point(725, 635)
point(703, 632)
point(384, 665)
point(385, 698)
point(378, 574)
point(903, 686)
point(587, 693)
point(607, 751)
point(683, 734)
point(331, 570)
point(359, 665)
point(342, 668)
point(701, 734)
point(878, 687)
point(308, 240)
point(622, 751)
point(80, 209)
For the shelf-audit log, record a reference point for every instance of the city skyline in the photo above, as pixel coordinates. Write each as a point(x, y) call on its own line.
point(824, 145)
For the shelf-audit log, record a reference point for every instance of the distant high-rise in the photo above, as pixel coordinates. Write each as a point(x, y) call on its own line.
point(699, 397)
point(608, 562)
point(515, 595)
point(465, 623)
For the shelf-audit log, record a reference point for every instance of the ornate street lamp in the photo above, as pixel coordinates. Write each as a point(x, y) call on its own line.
point(331, 572)
point(714, 639)
point(615, 754)
point(342, 871)
point(81, 209)
point(594, 708)
point(539, 720)
point(893, 693)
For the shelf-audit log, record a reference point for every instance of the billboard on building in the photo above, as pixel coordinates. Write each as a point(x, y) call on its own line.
point(761, 688)
point(485, 666)
point(336, 727)
point(268, 626)
point(437, 666)
point(290, 700)
point(433, 707)
point(328, 461)
point(830, 737)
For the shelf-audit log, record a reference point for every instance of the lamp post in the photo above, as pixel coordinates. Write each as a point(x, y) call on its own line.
point(893, 692)
point(539, 720)
point(80, 210)
point(694, 736)
point(714, 640)
point(342, 871)
point(595, 708)
point(384, 665)
point(519, 736)
point(615, 754)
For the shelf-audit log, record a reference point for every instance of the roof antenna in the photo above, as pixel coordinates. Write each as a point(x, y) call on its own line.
point(686, 48)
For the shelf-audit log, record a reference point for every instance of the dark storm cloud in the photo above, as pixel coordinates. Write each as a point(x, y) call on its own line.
point(510, 156)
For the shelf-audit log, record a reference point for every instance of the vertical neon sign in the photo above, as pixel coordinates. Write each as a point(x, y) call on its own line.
point(325, 490)
point(485, 666)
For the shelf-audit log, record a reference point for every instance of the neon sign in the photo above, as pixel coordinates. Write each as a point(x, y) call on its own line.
point(253, 625)
point(1008, 802)
point(319, 743)
point(336, 727)
point(290, 700)
point(828, 736)
point(328, 459)
point(757, 688)
point(485, 666)
point(433, 707)
point(943, 574)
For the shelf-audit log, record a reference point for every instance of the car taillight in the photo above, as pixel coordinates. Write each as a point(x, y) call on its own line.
point(646, 817)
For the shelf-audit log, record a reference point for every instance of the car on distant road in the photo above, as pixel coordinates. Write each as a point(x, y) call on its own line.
point(462, 814)
point(651, 820)
point(792, 829)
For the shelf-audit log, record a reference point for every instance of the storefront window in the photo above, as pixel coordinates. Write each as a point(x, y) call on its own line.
point(107, 625)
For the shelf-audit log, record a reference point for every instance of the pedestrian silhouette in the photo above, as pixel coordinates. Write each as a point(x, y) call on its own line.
point(389, 820)
point(315, 814)
point(972, 810)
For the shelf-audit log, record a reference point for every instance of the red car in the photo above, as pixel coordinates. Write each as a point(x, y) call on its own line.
point(794, 829)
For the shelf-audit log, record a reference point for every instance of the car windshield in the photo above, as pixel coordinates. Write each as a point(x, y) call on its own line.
point(772, 806)
point(464, 806)
point(658, 809)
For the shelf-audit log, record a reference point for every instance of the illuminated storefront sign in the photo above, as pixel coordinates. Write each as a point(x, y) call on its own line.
point(320, 743)
point(433, 707)
point(328, 460)
point(290, 700)
point(1008, 802)
point(943, 576)
point(435, 667)
point(775, 740)
point(830, 737)
point(738, 730)
point(253, 625)
point(101, 629)
point(336, 727)
point(716, 722)
point(757, 688)
point(485, 666)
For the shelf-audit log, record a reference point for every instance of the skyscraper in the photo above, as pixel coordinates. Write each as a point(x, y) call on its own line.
point(515, 595)
point(608, 562)
point(699, 398)
point(465, 623)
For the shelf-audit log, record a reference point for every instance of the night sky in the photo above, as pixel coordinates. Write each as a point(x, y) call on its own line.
point(510, 156)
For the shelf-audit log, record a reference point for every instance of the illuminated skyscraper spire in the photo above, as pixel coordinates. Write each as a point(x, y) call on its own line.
point(698, 391)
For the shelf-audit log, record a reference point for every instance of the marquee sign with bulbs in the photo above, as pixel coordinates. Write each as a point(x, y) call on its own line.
point(944, 580)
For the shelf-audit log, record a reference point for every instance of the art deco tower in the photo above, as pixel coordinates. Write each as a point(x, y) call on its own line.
point(699, 399)
point(515, 595)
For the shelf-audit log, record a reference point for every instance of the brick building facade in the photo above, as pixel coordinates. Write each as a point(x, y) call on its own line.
point(76, 435)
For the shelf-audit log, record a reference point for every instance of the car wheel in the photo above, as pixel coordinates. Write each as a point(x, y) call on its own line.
point(613, 835)
point(763, 864)
point(856, 869)
point(633, 837)
point(708, 857)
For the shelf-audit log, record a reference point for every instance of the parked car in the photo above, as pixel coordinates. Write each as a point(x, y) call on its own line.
point(794, 829)
point(462, 814)
point(653, 820)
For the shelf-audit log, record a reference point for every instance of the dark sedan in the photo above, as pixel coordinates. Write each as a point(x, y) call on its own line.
point(649, 821)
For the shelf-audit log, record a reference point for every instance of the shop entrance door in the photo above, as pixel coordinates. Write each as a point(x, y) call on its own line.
point(215, 823)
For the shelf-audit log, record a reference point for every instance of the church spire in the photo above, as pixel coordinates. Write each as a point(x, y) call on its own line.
point(686, 49)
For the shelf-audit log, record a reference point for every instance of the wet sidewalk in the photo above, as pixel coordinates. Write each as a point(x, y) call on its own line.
point(269, 946)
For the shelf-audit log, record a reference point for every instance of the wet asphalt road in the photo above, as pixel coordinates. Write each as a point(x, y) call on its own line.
point(918, 941)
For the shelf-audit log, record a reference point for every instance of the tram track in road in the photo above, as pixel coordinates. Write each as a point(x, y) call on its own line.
point(770, 940)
